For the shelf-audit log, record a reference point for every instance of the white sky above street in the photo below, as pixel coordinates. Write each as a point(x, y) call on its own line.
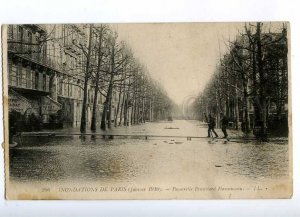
point(182, 57)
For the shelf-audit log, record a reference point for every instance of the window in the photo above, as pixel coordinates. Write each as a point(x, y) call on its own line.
point(28, 78)
point(92, 96)
point(25, 39)
point(29, 37)
point(79, 89)
point(20, 33)
point(10, 32)
point(19, 74)
point(12, 74)
point(44, 82)
point(41, 81)
point(98, 99)
point(75, 90)
point(9, 71)
point(32, 79)
point(69, 86)
point(114, 96)
point(71, 89)
point(36, 85)
point(47, 83)
point(63, 35)
point(65, 92)
point(44, 53)
point(60, 85)
point(23, 77)
point(48, 50)
point(15, 33)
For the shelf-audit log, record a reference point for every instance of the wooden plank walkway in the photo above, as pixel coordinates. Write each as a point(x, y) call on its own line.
point(130, 136)
point(104, 135)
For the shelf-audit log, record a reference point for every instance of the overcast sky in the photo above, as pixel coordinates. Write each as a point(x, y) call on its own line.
point(182, 57)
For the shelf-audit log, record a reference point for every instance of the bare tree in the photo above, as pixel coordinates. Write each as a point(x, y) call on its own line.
point(86, 80)
point(101, 32)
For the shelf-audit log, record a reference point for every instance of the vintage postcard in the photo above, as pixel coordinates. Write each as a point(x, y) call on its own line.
point(147, 111)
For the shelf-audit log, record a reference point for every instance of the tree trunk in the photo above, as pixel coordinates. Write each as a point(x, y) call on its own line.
point(122, 109)
point(109, 94)
point(118, 108)
point(107, 106)
point(262, 93)
point(237, 115)
point(94, 112)
point(126, 112)
point(246, 106)
point(110, 88)
point(143, 110)
point(254, 85)
point(104, 115)
point(134, 107)
point(150, 109)
point(85, 88)
point(109, 112)
point(132, 114)
point(138, 118)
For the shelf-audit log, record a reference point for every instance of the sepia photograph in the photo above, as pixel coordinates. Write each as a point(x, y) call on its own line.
point(147, 111)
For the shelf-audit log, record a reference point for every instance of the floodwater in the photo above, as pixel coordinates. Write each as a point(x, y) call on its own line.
point(136, 160)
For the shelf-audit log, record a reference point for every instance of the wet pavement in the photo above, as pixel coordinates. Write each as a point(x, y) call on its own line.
point(157, 159)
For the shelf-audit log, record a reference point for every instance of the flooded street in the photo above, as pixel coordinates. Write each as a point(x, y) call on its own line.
point(180, 84)
point(156, 159)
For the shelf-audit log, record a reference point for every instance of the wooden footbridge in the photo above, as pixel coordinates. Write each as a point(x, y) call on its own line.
point(128, 136)
point(105, 135)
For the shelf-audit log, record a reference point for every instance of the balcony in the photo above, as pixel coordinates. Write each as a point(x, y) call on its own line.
point(30, 91)
point(37, 28)
point(33, 53)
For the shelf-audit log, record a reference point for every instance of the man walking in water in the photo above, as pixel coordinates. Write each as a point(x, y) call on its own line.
point(211, 125)
point(224, 125)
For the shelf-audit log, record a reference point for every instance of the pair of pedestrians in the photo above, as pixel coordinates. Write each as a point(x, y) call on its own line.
point(212, 124)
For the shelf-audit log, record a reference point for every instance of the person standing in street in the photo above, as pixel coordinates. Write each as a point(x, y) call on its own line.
point(224, 125)
point(211, 125)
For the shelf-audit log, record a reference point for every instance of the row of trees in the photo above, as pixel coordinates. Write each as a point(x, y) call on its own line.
point(93, 58)
point(110, 66)
point(250, 83)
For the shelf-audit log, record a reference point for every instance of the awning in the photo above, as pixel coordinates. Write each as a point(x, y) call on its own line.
point(19, 103)
point(50, 106)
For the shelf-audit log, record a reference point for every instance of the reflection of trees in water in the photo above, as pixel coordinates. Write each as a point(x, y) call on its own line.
point(117, 160)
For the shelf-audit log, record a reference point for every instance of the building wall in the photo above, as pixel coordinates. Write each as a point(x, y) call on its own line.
point(28, 74)
point(45, 61)
point(71, 58)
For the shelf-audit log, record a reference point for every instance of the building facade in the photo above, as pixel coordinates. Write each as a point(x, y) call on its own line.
point(46, 64)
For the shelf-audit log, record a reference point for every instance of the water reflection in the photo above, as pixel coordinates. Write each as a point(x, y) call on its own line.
point(109, 160)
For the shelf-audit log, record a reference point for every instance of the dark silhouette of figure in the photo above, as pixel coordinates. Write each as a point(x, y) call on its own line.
point(224, 125)
point(211, 125)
